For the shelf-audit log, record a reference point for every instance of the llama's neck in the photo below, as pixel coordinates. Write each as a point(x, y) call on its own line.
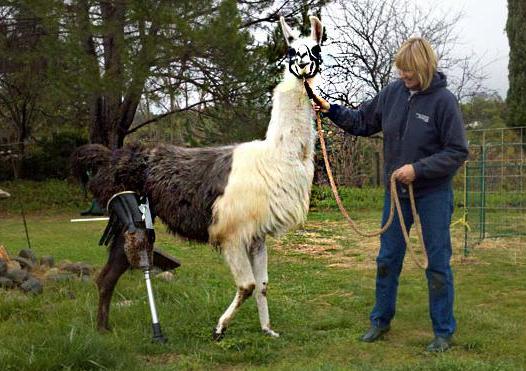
point(291, 129)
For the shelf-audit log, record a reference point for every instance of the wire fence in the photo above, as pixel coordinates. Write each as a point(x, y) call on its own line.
point(495, 191)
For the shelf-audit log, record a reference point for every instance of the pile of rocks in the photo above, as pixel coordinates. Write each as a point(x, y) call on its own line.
point(28, 273)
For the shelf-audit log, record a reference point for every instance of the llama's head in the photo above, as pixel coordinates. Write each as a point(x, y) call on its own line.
point(304, 53)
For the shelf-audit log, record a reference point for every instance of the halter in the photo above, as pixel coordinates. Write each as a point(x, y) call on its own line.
point(315, 56)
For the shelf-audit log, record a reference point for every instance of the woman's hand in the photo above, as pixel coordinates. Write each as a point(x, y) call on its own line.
point(405, 174)
point(320, 105)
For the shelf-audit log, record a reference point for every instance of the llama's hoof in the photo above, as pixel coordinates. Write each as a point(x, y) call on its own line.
point(270, 333)
point(104, 329)
point(218, 335)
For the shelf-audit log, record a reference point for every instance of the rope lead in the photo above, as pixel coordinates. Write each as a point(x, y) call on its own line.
point(395, 201)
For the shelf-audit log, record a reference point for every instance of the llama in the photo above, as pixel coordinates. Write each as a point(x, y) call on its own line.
point(230, 196)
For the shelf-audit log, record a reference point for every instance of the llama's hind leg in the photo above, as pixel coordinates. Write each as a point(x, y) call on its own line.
point(258, 259)
point(239, 263)
point(116, 265)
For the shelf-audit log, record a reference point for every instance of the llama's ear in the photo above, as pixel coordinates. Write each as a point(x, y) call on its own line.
point(287, 31)
point(316, 29)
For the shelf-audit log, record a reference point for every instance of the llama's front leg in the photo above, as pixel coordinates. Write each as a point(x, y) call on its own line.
point(258, 254)
point(239, 263)
point(117, 264)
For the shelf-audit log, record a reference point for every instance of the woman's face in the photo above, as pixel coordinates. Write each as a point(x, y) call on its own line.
point(410, 79)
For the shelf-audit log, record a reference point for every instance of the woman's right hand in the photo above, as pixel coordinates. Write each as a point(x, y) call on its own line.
point(320, 105)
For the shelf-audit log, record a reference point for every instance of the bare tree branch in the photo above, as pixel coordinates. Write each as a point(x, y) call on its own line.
point(163, 115)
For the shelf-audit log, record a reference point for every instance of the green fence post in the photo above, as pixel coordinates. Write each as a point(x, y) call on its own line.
point(466, 208)
point(482, 192)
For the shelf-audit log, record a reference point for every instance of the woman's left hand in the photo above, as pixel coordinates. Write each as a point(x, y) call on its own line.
point(405, 174)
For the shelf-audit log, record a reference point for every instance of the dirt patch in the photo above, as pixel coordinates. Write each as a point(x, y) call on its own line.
point(342, 248)
point(333, 242)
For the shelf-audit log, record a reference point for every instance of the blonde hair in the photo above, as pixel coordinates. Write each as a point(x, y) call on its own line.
point(417, 55)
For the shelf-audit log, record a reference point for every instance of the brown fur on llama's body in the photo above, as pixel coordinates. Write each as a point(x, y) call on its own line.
point(181, 183)
point(230, 196)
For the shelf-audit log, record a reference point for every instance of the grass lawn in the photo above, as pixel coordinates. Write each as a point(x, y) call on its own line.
point(321, 291)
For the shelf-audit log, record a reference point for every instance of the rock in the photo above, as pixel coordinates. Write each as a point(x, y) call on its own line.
point(28, 254)
point(3, 254)
point(11, 264)
point(3, 267)
point(6, 283)
point(17, 275)
point(51, 272)
point(25, 263)
point(60, 277)
point(69, 267)
point(81, 269)
point(32, 285)
point(85, 269)
point(63, 263)
point(47, 261)
point(166, 276)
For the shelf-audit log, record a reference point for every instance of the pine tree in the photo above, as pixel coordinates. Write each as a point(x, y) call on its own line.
point(516, 31)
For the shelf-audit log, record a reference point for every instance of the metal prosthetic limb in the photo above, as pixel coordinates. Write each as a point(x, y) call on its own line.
point(156, 325)
point(158, 336)
point(131, 216)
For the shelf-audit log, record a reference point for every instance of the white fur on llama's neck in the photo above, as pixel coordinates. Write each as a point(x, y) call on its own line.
point(290, 130)
point(269, 186)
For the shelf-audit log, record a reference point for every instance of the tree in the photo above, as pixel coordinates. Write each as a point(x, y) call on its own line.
point(366, 37)
point(484, 111)
point(240, 99)
point(177, 55)
point(516, 31)
point(22, 74)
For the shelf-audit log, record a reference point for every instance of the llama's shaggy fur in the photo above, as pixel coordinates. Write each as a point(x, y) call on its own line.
point(232, 196)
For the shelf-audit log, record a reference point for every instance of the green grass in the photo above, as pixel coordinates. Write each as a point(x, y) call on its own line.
point(42, 197)
point(321, 291)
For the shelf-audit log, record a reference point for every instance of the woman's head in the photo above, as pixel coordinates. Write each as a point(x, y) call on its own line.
point(417, 63)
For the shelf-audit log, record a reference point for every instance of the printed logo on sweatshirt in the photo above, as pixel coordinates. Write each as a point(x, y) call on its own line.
point(422, 117)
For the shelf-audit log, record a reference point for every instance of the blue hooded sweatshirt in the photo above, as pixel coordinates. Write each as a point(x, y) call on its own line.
point(424, 129)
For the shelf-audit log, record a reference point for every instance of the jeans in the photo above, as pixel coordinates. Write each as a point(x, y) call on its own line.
point(435, 210)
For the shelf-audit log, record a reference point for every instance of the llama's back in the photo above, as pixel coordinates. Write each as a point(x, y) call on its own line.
point(183, 184)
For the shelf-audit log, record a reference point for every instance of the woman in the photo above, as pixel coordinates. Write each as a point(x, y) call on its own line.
point(424, 144)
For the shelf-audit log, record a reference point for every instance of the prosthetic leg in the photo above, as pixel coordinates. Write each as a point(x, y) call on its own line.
point(130, 216)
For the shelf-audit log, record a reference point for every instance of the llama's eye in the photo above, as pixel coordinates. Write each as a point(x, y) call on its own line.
point(292, 52)
point(316, 50)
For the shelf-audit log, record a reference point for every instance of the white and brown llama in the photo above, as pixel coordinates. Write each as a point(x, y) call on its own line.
point(232, 196)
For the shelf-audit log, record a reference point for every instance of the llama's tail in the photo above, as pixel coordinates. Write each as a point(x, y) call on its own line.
point(106, 172)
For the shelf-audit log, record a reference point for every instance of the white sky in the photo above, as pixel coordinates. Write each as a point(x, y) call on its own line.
point(481, 30)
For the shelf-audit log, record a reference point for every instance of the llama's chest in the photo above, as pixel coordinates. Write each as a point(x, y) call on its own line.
point(289, 192)
point(265, 193)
